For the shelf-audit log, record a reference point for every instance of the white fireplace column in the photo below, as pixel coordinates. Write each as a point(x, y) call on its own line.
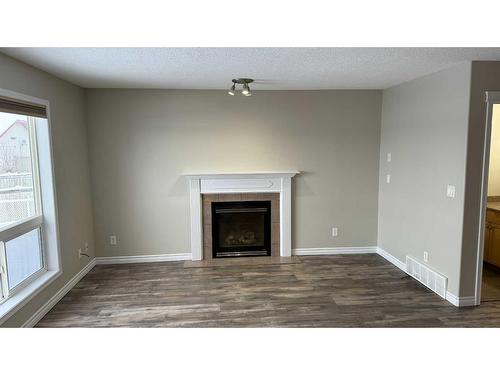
point(231, 183)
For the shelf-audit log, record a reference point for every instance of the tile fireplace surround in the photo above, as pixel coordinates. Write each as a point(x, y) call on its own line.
point(206, 212)
point(238, 183)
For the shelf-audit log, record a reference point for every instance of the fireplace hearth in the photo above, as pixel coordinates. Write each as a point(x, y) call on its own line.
point(241, 228)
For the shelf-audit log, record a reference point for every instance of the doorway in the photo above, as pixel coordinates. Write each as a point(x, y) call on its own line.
point(488, 264)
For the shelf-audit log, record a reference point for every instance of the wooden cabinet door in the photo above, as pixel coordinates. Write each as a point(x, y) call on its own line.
point(494, 240)
point(487, 233)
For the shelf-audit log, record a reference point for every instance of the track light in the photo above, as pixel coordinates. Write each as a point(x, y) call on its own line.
point(245, 83)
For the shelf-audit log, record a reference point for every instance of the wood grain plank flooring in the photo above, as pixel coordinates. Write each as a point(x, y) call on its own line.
point(321, 291)
point(490, 290)
point(241, 262)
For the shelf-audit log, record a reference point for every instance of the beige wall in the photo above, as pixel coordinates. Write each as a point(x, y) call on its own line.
point(494, 171)
point(70, 149)
point(142, 140)
point(424, 127)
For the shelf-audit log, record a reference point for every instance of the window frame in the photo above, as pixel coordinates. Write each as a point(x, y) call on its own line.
point(24, 227)
point(46, 218)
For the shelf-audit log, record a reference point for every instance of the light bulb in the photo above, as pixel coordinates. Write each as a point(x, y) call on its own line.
point(246, 90)
point(232, 90)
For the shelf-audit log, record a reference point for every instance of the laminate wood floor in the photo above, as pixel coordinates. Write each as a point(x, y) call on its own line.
point(321, 291)
point(490, 290)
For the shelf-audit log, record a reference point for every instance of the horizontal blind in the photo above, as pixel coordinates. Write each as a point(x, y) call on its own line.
point(22, 108)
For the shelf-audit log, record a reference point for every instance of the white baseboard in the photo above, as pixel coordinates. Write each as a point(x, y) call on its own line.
point(467, 301)
point(460, 301)
point(391, 258)
point(334, 250)
point(453, 299)
point(143, 258)
point(35, 318)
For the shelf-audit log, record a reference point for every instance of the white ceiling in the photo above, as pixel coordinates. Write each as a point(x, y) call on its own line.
point(273, 68)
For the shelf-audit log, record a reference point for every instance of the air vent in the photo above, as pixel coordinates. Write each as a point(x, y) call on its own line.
point(430, 278)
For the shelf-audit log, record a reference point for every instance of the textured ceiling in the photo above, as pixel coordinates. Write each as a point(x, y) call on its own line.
point(273, 68)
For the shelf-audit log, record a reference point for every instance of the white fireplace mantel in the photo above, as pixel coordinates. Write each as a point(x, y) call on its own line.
point(246, 182)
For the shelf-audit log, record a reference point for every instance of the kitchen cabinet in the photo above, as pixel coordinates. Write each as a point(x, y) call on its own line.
point(492, 237)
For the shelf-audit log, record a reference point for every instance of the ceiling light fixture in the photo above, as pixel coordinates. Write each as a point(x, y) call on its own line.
point(241, 81)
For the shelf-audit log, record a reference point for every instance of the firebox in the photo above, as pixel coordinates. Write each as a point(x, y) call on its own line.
point(241, 229)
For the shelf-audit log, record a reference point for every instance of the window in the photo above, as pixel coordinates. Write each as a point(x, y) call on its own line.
point(21, 215)
point(29, 251)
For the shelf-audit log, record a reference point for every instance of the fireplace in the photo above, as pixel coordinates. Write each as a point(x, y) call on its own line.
point(206, 188)
point(241, 228)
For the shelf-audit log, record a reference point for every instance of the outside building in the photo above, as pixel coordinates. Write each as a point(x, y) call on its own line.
point(16, 182)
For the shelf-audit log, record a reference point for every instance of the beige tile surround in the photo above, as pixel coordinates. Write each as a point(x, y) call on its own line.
point(207, 200)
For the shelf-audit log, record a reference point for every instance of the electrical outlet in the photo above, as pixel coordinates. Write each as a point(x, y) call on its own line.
point(426, 256)
point(389, 157)
point(388, 178)
point(335, 232)
point(450, 191)
point(112, 240)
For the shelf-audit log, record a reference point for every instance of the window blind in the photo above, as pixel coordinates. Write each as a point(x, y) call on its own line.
point(22, 108)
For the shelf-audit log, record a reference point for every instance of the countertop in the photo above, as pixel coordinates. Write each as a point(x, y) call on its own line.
point(493, 206)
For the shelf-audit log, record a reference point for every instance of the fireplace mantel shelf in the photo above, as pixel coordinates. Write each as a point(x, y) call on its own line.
point(226, 175)
point(240, 182)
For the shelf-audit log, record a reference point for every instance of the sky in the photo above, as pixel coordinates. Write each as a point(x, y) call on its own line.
point(7, 119)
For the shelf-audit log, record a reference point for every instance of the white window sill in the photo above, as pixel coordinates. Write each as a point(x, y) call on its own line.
point(21, 298)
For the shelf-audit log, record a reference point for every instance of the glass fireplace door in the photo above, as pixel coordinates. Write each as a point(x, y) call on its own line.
point(241, 229)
